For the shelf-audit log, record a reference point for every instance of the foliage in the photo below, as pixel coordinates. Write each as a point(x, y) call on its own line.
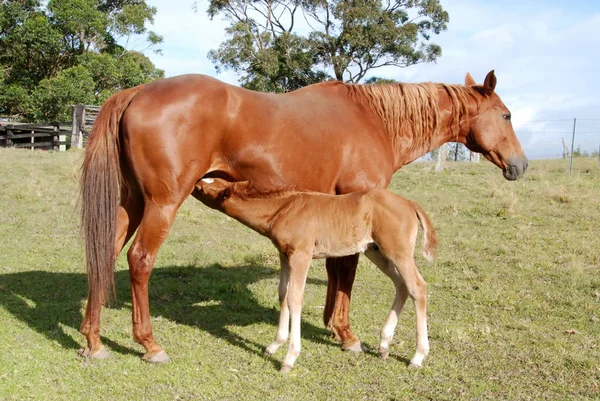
point(579, 153)
point(347, 39)
point(43, 45)
point(513, 303)
point(380, 80)
point(52, 97)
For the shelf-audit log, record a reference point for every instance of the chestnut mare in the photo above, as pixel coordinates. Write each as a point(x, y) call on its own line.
point(151, 144)
point(309, 225)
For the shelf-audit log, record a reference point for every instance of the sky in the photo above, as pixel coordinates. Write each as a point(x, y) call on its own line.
point(546, 55)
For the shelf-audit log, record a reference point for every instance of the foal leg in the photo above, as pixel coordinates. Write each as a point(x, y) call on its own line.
point(299, 263)
point(154, 228)
point(418, 292)
point(341, 273)
point(417, 289)
point(128, 219)
point(283, 328)
point(391, 321)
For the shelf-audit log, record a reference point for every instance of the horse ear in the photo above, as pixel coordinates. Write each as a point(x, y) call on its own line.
point(490, 83)
point(469, 81)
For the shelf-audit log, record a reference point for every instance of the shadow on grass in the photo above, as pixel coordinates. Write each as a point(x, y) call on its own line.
point(211, 298)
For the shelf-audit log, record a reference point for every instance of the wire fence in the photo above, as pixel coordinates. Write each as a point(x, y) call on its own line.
point(548, 139)
point(568, 139)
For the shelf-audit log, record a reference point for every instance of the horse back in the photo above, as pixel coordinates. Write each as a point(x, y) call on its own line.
point(315, 138)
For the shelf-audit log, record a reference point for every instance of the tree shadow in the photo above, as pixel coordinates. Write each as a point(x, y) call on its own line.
point(211, 298)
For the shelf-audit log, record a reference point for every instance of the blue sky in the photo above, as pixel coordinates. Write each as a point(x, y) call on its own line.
point(546, 55)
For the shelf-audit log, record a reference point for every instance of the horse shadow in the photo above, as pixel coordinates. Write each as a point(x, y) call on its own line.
point(210, 298)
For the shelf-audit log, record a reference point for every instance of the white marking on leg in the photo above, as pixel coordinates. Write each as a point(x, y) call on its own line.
point(387, 332)
point(208, 180)
point(419, 294)
point(299, 263)
point(283, 328)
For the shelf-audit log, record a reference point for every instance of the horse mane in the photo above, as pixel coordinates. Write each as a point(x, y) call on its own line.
point(411, 110)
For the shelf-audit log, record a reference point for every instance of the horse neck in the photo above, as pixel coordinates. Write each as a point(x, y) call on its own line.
point(255, 212)
point(420, 117)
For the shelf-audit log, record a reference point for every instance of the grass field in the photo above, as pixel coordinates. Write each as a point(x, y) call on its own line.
point(514, 297)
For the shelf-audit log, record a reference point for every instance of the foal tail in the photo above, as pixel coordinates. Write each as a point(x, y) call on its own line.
point(101, 180)
point(429, 244)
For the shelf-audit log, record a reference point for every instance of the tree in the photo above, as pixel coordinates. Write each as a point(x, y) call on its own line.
point(380, 80)
point(60, 52)
point(458, 152)
point(348, 38)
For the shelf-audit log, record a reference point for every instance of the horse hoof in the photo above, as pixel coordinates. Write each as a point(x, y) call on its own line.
point(384, 353)
point(102, 353)
point(413, 366)
point(285, 369)
point(161, 357)
point(353, 347)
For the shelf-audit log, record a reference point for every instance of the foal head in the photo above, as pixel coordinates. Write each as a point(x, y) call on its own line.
point(214, 192)
point(491, 132)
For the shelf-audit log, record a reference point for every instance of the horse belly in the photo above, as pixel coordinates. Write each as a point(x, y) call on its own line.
point(334, 249)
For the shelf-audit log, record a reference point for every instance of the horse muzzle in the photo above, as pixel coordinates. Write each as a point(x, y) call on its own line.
point(515, 169)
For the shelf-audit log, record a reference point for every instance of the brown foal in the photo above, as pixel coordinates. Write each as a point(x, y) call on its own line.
point(309, 225)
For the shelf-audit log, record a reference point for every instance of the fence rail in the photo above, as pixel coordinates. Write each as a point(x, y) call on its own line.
point(34, 136)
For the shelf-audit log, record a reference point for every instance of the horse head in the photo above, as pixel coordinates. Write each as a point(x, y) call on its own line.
point(491, 132)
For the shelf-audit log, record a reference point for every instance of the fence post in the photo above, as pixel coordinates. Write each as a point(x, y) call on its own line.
point(441, 158)
point(55, 139)
point(76, 135)
point(572, 146)
point(9, 135)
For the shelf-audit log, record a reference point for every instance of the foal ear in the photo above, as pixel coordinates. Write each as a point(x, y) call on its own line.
point(490, 83)
point(469, 81)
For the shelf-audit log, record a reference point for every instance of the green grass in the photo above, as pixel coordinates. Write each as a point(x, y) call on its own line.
point(514, 304)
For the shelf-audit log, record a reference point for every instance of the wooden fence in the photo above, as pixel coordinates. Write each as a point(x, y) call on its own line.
point(51, 136)
point(34, 136)
point(83, 120)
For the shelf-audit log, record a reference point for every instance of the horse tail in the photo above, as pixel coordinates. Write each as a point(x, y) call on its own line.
point(429, 243)
point(101, 181)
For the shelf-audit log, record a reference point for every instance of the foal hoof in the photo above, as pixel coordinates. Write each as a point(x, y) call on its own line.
point(285, 369)
point(102, 353)
point(353, 347)
point(413, 366)
point(384, 353)
point(271, 349)
point(160, 357)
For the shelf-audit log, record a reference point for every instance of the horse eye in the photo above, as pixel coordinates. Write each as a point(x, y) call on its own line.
point(506, 116)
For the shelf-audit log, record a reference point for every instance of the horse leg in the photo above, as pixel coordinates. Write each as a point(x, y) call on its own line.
point(154, 228)
point(332, 288)
point(391, 321)
point(128, 220)
point(299, 263)
point(283, 328)
point(341, 273)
